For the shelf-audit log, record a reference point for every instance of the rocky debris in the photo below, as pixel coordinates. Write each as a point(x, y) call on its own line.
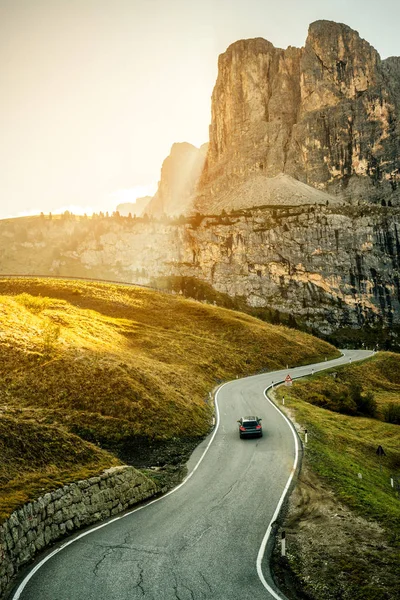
point(326, 114)
point(281, 190)
point(179, 175)
point(40, 523)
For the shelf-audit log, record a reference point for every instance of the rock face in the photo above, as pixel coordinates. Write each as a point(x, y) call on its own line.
point(179, 175)
point(326, 114)
point(328, 266)
point(134, 208)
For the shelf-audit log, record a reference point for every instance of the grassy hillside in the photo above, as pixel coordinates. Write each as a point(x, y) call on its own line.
point(126, 368)
point(340, 447)
point(36, 458)
point(377, 379)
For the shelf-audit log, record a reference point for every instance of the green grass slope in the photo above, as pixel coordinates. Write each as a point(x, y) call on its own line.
point(123, 367)
point(340, 446)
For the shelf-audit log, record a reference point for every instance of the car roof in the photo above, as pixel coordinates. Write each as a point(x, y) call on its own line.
point(250, 418)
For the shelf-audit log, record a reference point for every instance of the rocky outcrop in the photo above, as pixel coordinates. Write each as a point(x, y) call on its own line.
point(328, 267)
point(38, 524)
point(179, 176)
point(304, 148)
point(326, 114)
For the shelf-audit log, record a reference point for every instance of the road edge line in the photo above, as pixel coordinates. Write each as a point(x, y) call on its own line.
point(267, 534)
point(297, 441)
point(17, 594)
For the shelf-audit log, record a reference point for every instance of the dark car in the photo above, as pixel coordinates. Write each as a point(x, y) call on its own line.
point(249, 426)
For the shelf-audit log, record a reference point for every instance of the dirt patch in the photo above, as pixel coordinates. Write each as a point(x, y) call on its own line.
point(332, 553)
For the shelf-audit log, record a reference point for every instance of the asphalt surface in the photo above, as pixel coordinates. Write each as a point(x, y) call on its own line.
point(201, 541)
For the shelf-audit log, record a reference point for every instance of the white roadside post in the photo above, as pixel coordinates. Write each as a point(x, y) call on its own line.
point(283, 402)
point(305, 436)
point(283, 543)
point(392, 482)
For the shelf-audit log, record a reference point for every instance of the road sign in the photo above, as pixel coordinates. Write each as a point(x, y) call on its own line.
point(288, 380)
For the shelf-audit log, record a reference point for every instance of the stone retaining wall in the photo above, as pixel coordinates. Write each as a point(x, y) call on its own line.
point(40, 523)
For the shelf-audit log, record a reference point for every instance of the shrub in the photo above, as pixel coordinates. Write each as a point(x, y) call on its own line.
point(35, 304)
point(49, 336)
point(391, 413)
point(367, 404)
point(348, 399)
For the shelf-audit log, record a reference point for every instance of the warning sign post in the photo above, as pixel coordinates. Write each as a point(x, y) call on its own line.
point(288, 380)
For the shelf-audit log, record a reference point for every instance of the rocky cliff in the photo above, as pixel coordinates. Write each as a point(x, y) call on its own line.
point(180, 173)
point(326, 114)
point(327, 266)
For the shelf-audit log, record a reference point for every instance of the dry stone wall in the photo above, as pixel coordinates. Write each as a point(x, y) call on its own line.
point(38, 524)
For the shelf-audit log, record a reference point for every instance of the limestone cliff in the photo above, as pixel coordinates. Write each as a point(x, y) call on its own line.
point(326, 114)
point(327, 266)
point(179, 175)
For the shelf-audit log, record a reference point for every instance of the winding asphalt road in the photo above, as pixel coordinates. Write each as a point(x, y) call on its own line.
point(205, 540)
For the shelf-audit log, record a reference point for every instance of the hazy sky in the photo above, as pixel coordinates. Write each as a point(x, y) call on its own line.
point(93, 93)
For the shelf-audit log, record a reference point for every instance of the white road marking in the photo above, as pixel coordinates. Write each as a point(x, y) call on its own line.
point(25, 581)
point(264, 542)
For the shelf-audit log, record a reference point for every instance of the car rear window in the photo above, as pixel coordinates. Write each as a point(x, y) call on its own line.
point(250, 424)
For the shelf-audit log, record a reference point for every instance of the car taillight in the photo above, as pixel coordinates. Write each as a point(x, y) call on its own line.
point(242, 428)
point(258, 426)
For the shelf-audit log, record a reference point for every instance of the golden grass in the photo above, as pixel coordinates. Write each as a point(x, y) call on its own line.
point(36, 458)
point(114, 362)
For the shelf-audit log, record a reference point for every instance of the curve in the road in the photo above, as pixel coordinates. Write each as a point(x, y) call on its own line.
point(248, 458)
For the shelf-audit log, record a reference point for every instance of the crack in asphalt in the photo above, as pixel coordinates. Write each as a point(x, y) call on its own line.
point(182, 585)
point(175, 586)
point(152, 551)
point(205, 581)
point(189, 590)
point(102, 559)
point(139, 583)
point(229, 491)
point(192, 542)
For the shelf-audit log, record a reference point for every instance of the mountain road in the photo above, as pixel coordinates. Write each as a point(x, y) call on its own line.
point(203, 540)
